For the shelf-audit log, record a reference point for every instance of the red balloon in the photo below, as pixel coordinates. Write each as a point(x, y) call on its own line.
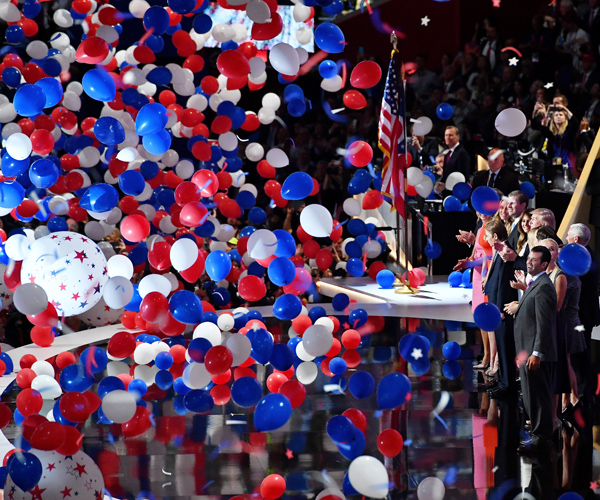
point(48, 318)
point(411, 191)
point(359, 154)
point(275, 381)
point(42, 142)
point(193, 214)
point(207, 181)
point(138, 424)
point(233, 64)
point(12, 279)
point(221, 394)
point(336, 234)
point(301, 282)
point(193, 273)
point(351, 339)
point(301, 323)
point(171, 327)
point(294, 391)
point(221, 124)
point(25, 377)
point(310, 249)
point(372, 200)
point(187, 192)
point(29, 402)
point(272, 486)
point(266, 31)
point(352, 358)
point(48, 436)
point(218, 360)
point(420, 276)
point(209, 85)
point(354, 99)
point(65, 359)
point(252, 288)
point(366, 74)
point(135, 228)
point(230, 208)
point(154, 307)
point(42, 336)
point(72, 443)
point(390, 443)
point(92, 50)
point(272, 188)
point(248, 49)
point(121, 345)
point(324, 259)
point(160, 255)
point(375, 268)
point(251, 124)
point(5, 415)
point(357, 417)
point(30, 424)
point(93, 400)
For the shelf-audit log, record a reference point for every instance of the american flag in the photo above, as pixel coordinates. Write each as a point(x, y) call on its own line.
point(392, 137)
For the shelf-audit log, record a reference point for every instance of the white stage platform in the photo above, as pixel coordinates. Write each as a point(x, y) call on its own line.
point(435, 300)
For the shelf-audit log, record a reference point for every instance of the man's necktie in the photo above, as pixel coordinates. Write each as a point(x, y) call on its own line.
point(492, 179)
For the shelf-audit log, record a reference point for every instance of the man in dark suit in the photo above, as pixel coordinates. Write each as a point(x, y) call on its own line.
point(457, 159)
point(497, 287)
point(498, 176)
point(535, 339)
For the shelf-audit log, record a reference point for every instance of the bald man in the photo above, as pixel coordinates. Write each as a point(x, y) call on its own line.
point(499, 176)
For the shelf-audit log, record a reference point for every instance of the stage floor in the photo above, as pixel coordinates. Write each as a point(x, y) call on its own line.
point(435, 300)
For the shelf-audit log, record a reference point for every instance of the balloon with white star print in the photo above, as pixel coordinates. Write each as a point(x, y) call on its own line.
point(75, 476)
point(70, 267)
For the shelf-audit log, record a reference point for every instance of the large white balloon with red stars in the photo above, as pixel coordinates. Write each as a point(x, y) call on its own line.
point(70, 268)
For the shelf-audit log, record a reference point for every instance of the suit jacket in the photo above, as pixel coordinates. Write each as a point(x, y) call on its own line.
point(535, 320)
point(459, 161)
point(507, 180)
point(497, 287)
point(521, 260)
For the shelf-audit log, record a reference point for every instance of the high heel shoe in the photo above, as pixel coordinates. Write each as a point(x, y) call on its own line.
point(481, 367)
point(491, 372)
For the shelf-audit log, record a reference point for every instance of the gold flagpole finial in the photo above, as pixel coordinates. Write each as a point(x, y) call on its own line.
point(394, 40)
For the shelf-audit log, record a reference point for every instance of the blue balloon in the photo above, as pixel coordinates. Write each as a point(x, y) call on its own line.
point(8, 362)
point(451, 369)
point(245, 199)
point(334, 8)
point(182, 6)
point(287, 307)
point(330, 38)
point(11, 76)
point(109, 131)
point(338, 366)
point(433, 249)
point(25, 469)
point(358, 317)
point(246, 392)
point(444, 111)
point(282, 357)
point(151, 119)
point(109, 384)
point(198, 401)
point(328, 69)
point(99, 198)
point(455, 279)
point(570, 495)
point(160, 76)
point(392, 391)
point(452, 204)
point(14, 34)
point(296, 107)
point(297, 186)
point(164, 379)
point(361, 384)
point(422, 367)
point(43, 173)
point(340, 429)
point(317, 312)
point(355, 447)
point(218, 265)
point(575, 259)
point(257, 215)
point(157, 144)
point(138, 388)
point(186, 307)
point(157, 18)
point(451, 350)
point(262, 346)
point(202, 23)
point(53, 91)
point(466, 279)
point(347, 487)
point(354, 267)
point(293, 91)
point(73, 378)
point(286, 246)
point(485, 200)
point(99, 359)
point(487, 316)
point(272, 412)
point(132, 182)
point(29, 100)
point(462, 191)
point(99, 85)
point(385, 278)
point(413, 348)
point(281, 271)
point(528, 188)
point(340, 301)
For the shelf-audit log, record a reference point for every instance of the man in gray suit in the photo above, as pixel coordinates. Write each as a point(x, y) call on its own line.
point(535, 339)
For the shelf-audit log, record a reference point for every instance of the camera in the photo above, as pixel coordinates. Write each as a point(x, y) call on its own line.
point(553, 109)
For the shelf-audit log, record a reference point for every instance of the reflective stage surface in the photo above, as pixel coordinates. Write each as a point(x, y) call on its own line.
point(450, 431)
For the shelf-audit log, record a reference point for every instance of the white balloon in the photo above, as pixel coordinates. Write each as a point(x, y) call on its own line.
point(352, 207)
point(208, 331)
point(184, 169)
point(304, 35)
point(43, 368)
point(316, 221)
point(47, 386)
point(228, 141)
point(41, 231)
point(249, 187)
point(307, 372)
point(154, 283)
point(222, 32)
point(424, 187)
point(120, 265)
point(30, 299)
point(326, 322)
point(262, 244)
point(266, 115)
point(271, 100)
point(332, 84)
point(414, 175)
point(138, 8)
point(302, 54)
point(17, 247)
point(18, 146)
point(284, 59)
point(317, 340)
point(94, 230)
point(369, 477)
point(258, 11)
point(257, 67)
point(255, 151)
point(239, 345)
point(302, 354)
point(511, 122)
point(277, 158)
point(143, 354)
point(422, 125)
point(9, 12)
point(301, 13)
point(184, 254)
point(118, 292)
point(226, 322)
point(453, 179)
point(372, 249)
point(196, 376)
point(431, 488)
point(119, 406)
point(331, 491)
point(37, 49)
